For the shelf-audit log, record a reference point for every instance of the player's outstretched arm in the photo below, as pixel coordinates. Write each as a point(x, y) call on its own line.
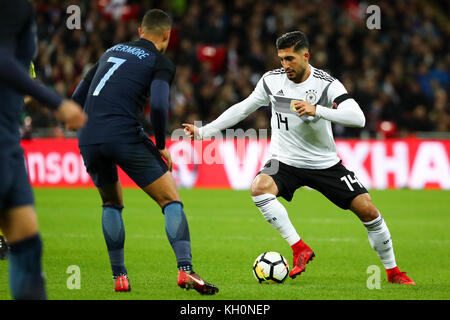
point(233, 115)
point(228, 118)
point(13, 75)
point(191, 131)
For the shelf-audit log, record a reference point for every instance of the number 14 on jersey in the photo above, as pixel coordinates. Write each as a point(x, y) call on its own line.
point(349, 181)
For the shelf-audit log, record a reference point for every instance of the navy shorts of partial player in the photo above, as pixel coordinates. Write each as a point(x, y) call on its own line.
point(337, 183)
point(15, 189)
point(141, 161)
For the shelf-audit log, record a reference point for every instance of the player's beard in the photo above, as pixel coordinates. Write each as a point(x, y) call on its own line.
point(298, 75)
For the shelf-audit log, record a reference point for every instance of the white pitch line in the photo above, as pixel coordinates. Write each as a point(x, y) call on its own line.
point(234, 237)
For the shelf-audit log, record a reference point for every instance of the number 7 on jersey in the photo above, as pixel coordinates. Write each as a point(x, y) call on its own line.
point(116, 64)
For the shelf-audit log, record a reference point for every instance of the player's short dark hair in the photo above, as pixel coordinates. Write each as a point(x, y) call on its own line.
point(156, 21)
point(296, 39)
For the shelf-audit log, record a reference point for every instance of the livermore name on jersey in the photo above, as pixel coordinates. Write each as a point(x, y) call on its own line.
point(305, 142)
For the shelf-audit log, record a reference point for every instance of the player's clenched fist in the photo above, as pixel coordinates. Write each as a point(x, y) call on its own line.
point(71, 114)
point(191, 131)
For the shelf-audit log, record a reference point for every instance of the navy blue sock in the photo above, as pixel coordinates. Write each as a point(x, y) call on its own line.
point(114, 233)
point(177, 231)
point(26, 279)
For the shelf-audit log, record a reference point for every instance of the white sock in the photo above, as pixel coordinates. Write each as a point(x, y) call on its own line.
point(275, 213)
point(380, 240)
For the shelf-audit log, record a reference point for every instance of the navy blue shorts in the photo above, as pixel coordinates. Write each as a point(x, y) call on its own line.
point(15, 188)
point(141, 161)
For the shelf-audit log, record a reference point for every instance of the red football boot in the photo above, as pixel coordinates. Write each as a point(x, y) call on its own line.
point(302, 255)
point(122, 283)
point(396, 276)
point(188, 280)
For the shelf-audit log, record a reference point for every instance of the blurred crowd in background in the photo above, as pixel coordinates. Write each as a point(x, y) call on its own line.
point(398, 74)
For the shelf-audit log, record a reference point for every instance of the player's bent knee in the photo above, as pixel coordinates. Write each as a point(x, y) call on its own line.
point(363, 207)
point(163, 190)
point(19, 223)
point(263, 184)
point(164, 202)
point(166, 197)
point(111, 194)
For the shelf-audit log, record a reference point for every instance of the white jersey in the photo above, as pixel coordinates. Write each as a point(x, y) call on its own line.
point(303, 142)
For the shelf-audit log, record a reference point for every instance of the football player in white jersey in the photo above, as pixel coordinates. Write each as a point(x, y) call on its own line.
point(305, 101)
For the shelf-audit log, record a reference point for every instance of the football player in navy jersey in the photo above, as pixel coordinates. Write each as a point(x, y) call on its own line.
point(18, 219)
point(114, 93)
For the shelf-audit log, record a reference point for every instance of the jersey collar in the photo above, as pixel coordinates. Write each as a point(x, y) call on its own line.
point(148, 42)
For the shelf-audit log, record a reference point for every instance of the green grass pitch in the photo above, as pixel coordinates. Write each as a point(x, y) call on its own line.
point(228, 233)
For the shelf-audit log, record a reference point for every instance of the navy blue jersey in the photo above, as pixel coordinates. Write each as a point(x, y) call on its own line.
point(119, 88)
point(17, 48)
point(16, 34)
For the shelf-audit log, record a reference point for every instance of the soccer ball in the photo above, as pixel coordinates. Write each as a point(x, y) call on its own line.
point(270, 267)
